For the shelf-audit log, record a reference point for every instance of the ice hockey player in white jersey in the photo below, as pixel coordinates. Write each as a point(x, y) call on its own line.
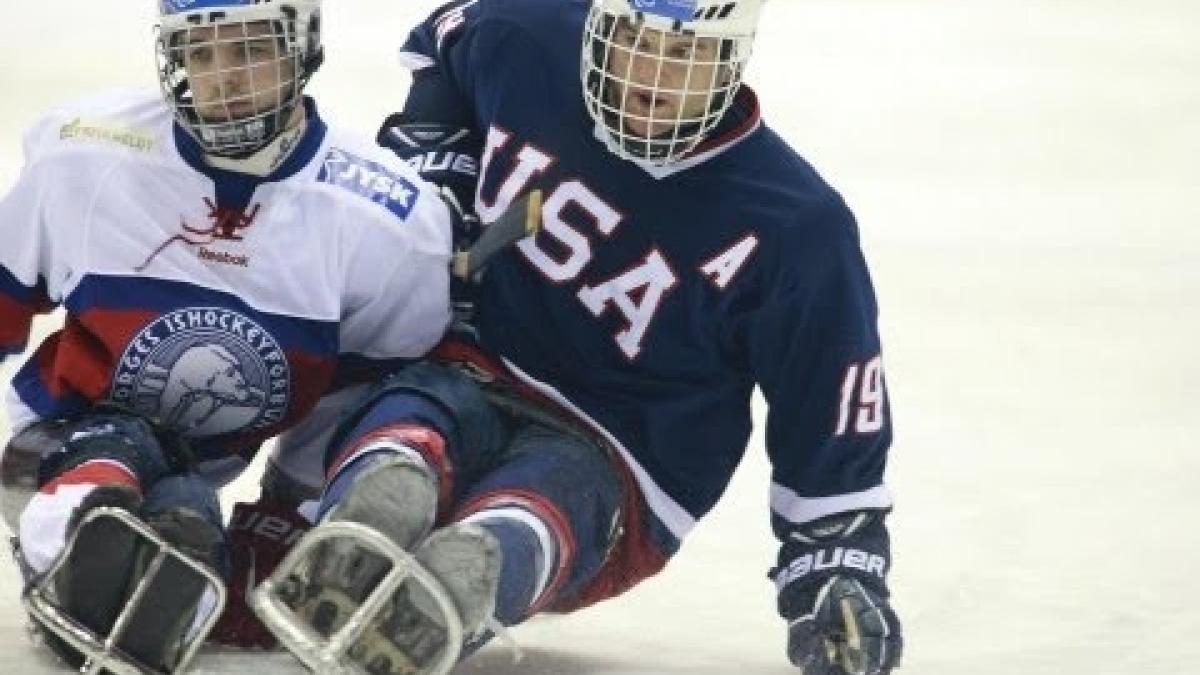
point(224, 259)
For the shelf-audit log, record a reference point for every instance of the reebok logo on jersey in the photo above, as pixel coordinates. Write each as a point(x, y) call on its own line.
point(225, 225)
point(223, 257)
point(369, 179)
point(827, 559)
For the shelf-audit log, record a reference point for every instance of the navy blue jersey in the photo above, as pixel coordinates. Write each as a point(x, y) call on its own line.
point(654, 300)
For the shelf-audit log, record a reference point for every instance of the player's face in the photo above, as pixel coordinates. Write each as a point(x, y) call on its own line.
point(661, 80)
point(236, 71)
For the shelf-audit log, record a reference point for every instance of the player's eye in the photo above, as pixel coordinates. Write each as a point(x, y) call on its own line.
point(261, 48)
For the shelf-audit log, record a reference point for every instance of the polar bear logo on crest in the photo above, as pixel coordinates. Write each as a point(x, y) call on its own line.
point(205, 371)
point(206, 383)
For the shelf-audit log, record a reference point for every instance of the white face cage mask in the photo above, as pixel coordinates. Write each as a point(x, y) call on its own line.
point(657, 88)
point(235, 79)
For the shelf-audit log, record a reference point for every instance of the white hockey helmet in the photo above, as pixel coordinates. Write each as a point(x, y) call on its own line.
point(655, 102)
point(247, 99)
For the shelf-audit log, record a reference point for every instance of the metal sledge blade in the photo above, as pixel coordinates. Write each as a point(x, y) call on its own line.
point(332, 632)
point(520, 220)
point(102, 652)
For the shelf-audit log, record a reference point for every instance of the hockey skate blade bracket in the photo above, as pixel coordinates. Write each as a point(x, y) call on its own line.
point(332, 655)
point(100, 652)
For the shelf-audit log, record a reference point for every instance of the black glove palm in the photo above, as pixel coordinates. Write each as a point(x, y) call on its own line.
point(851, 631)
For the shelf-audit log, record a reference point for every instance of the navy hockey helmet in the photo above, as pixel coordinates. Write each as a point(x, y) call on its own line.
point(658, 75)
point(233, 70)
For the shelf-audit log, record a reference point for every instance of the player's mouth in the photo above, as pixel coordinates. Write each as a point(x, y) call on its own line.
point(229, 112)
point(241, 109)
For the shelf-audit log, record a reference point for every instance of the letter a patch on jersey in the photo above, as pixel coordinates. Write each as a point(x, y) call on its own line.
point(725, 266)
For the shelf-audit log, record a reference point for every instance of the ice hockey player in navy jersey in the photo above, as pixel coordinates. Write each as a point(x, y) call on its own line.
point(603, 399)
point(224, 259)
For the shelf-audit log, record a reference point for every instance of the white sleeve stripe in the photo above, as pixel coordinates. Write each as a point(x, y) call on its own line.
point(414, 61)
point(793, 508)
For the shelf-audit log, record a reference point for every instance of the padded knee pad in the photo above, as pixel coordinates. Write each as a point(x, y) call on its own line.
point(433, 395)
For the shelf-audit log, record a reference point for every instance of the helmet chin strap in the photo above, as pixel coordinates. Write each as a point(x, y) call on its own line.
point(268, 158)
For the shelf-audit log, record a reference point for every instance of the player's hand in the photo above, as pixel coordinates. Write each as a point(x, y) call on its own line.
point(446, 155)
point(832, 581)
point(260, 535)
point(850, 630)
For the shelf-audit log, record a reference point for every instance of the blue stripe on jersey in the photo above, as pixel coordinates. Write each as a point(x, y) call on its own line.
point(314, 336)
point(12, 287)
point(18, 303)
point(30, 387)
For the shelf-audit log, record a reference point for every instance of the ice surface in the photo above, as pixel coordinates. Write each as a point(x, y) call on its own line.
point(1025, 175)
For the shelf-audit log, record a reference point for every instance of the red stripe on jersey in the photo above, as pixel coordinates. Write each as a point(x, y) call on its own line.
point(746, 97)
point(77, 360)
point(15, 320)
point(114, 328)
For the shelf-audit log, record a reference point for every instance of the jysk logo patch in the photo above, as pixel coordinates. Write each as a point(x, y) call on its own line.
point(369, 179)
point(204, 371)
point(683, 10)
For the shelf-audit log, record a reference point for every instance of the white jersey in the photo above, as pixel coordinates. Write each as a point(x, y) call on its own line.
point(223, 304)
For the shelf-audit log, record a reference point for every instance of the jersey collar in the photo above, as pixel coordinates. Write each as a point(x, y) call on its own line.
point(234, 189)
point(742, 120)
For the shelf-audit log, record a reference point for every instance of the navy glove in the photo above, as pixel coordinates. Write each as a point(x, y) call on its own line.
point(832, 591)
point(444, 154)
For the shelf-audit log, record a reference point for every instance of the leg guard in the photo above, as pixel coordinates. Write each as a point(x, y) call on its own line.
point(437, 398)
point(554, 500)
